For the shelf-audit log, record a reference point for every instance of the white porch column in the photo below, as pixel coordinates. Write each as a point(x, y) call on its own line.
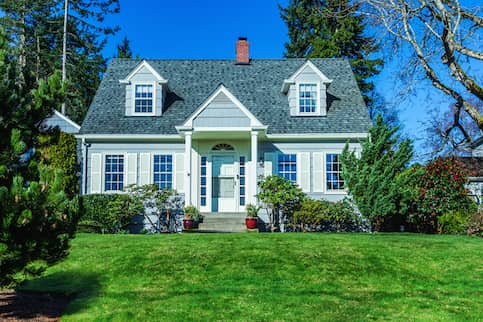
point(187, 163)
point(253, 171)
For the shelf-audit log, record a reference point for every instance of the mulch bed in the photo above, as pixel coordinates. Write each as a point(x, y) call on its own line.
point(31, 306)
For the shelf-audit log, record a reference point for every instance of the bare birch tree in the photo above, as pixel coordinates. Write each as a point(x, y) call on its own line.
point(443, 39)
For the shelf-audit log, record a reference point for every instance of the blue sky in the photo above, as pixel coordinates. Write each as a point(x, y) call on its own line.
point(208, 29)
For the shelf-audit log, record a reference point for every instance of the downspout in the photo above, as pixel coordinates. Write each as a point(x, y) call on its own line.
point(86, 153)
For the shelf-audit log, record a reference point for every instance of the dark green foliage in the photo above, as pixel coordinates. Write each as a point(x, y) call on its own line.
point(436, 189)
point(332, 29)
point(61, 153)
point(35, 28)
point(108, 213)
point(37, 223)
point(124, 49)
point(36, 217)
point(281, 197)
point(371, 179)
point(453, 222)
point(321, 215)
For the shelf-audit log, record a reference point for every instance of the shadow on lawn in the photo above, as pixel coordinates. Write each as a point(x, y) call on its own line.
point(61, 288)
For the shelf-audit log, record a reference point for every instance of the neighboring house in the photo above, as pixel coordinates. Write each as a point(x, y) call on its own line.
point(474, 167)
point(211, 129)
point(64, 123)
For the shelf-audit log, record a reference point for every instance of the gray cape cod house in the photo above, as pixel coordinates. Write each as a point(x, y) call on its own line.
point(211, 129)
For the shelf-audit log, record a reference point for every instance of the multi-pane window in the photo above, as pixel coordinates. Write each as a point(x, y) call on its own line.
point(114, 173)
point(308, 98)
point(334, 172)
point(203, 184)
point(242, 181)
point(163, 171)
point(143, 100)
point(287, 166)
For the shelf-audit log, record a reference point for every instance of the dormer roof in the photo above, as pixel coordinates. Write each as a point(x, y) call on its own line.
point(144, 64)
point(308, 64)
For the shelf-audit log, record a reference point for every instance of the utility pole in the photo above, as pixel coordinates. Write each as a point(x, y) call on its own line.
point(64, 48)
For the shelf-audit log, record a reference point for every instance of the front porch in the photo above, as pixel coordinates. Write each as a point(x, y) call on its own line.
point(221, 170)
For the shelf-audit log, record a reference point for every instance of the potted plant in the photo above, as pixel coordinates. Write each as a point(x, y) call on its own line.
point(190, 213)
point(252, 216)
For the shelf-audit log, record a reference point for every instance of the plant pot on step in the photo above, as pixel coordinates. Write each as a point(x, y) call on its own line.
point(188, 224)
point(251, 222)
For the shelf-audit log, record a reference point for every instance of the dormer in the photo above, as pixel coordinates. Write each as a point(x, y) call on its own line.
point(306, 91)
point(145, 91)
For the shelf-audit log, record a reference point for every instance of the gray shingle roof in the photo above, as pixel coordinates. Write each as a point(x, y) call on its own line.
point(257, 86)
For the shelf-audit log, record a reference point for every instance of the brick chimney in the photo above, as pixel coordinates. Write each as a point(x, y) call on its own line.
point(242, 51)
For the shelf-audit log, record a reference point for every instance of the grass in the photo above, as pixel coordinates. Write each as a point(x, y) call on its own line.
point(210, 277)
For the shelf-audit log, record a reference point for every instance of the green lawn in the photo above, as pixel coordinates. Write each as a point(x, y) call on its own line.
point(270, 277)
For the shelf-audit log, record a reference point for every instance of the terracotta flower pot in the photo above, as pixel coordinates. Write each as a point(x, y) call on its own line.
point(188, 223)
point(251, 222)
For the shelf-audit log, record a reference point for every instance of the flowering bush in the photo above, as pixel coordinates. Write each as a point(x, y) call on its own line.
point(440, 187)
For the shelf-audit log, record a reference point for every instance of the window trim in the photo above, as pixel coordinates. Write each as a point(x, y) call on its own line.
point(325, 188)
point(133, 100)
point(103, 172)
point(153, 154)
point(317, 105)
point(278, 165)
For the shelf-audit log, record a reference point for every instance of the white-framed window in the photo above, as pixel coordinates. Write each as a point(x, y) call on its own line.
point(144, 99)
point(333, 172)
point(163, 171)
point(114, 172)
point(287, 166)
point(308, 98)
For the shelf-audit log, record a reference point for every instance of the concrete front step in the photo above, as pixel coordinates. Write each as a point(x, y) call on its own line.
point(223, 222)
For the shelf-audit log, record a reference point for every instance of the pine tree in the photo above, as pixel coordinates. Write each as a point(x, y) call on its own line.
point(36, 31)
point(124, 49)
point(371, 179)
point(36, 218)
point(332, 29)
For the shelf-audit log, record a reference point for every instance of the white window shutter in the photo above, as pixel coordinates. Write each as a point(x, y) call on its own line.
point(144, 169)
point(96, 173)
point(303, 171)
point(179, 172)
point(268, 164)
point(318, 172)
point(132, 167)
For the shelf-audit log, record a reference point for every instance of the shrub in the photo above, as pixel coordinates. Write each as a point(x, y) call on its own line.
point(281, 197)
point(440, 187)
point(165, 204)
point(321, 215)
point(107, 213)
point(60, 151)
point(370, 178)
point(475, 224)
point(453, 222)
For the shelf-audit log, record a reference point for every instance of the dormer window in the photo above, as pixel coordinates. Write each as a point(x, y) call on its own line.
point(308, 98)
point(144, 99)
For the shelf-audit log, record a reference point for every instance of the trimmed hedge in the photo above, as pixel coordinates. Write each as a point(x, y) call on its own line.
point(107, 213)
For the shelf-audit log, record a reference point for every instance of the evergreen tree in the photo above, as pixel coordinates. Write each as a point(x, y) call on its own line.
point(371, 179)
point(332, 29)
point(36, 32)
point(124, 49)
point(36, 218)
